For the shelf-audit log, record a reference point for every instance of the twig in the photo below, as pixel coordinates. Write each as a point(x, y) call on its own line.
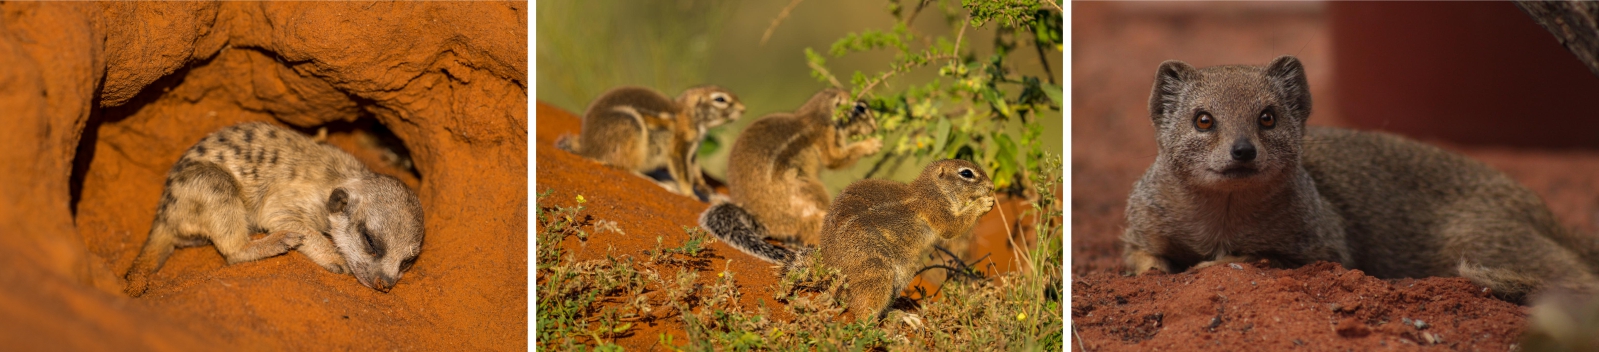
point(826, 73)
point(1079, 339)
point(781, 15)
point(1053, 4)
point(1009, 237)
point(1043, 60)
point(953, 55)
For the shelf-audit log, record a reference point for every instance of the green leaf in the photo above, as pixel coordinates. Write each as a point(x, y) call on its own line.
point(1053, 91)
point(1005, 157)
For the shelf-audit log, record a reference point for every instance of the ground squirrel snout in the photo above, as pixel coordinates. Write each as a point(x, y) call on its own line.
point(774, 173)
point(304, 195)
point(640, 130)
point(1240, 177)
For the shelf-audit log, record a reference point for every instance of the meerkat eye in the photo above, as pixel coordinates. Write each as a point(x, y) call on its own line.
point(406, 265)
point(1204, 122)
point(371, 246)
point(966, 173)
point(1268, 119)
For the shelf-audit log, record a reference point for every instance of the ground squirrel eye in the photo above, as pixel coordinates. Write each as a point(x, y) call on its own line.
point(1268, 119)
point(860, 108)
point(720, 99)
point(966, 173)
point(1204, 122)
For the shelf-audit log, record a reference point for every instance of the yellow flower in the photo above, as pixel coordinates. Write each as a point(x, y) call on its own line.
point(580, 199)
point(1021, 316)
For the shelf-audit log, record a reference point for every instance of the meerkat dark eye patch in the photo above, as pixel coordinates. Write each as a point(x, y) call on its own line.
point(406, 265)
point(373, 246)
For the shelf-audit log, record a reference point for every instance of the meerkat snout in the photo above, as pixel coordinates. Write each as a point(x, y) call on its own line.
point(377, 228)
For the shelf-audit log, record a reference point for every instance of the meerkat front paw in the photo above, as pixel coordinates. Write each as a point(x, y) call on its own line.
point(1226, 259)
point(290, 240)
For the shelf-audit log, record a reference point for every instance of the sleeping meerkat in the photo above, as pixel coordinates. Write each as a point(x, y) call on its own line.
point(309, 196)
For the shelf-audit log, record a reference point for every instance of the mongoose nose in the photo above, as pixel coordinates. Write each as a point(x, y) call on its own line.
point(1243, 150)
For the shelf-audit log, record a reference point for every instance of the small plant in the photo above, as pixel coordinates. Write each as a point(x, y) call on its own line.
point(979, 109)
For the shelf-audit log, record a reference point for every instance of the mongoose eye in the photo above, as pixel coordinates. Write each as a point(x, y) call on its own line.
point(1204, 122)
point(1268, 119)
point(966, 173)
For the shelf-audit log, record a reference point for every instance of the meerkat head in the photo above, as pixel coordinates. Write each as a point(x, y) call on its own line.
point(711, 106)
point(377, 228)
point(964, 186)
point(1230, 127)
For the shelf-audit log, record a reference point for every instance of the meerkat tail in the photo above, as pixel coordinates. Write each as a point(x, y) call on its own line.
point(1503, 283)
point(734, 225)
point(567, 142)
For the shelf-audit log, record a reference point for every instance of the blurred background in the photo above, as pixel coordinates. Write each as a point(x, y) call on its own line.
point(586, 47)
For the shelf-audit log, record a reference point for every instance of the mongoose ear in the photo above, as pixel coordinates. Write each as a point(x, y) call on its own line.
point(1288, 75)
point(338, 201)
point(1169, 80)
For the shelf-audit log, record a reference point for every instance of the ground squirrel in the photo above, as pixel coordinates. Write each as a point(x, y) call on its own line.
point(309, 196)
point(641, 130)
point(773, 173)
point(1239, 177)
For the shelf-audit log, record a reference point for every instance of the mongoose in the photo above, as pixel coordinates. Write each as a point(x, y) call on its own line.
point(641, 130)
point(309, 196)
point(1240, 177)
point(774, 169)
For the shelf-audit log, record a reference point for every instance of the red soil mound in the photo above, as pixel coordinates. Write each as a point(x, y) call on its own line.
point(101, 98)
point(645, 211)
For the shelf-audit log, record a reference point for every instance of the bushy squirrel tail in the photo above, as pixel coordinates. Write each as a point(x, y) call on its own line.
point(567, 142)
point(734, 225)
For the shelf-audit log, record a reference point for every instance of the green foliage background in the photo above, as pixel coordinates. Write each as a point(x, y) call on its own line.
point(586, 47)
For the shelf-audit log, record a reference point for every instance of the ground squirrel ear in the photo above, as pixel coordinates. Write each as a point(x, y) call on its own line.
point(1169, 81)
point(338, 201)
point(1288, 75)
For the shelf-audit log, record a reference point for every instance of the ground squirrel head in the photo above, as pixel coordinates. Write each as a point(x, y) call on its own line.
point(711, 106)
point(377, 228)
point(848, 116)
point(966, 189)
point(1230, 127)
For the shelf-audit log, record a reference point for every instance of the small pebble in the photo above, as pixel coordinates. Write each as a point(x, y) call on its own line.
point(1421, 324)
point(1235, 266)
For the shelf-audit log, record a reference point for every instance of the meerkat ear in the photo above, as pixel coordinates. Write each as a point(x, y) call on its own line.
point(1169, 81)
point(338, 201)
point(1288, 75)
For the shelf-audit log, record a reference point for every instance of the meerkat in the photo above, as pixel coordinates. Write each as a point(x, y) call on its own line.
point(773, 173)
point(304, 195)
point(641, 130)
point(1240, 177)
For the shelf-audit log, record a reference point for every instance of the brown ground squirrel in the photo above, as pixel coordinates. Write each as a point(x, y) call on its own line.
point(877, 231)
point(313, 197)
point(1240, 177)
point(773, 173)
point(641, 130)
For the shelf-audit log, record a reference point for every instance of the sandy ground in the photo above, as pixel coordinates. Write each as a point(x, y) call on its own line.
point(1116, 48)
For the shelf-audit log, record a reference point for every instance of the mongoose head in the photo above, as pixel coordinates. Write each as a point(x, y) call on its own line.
point(711, 106)
point(1230, 127)
point(377, 228)
point(966, 189)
